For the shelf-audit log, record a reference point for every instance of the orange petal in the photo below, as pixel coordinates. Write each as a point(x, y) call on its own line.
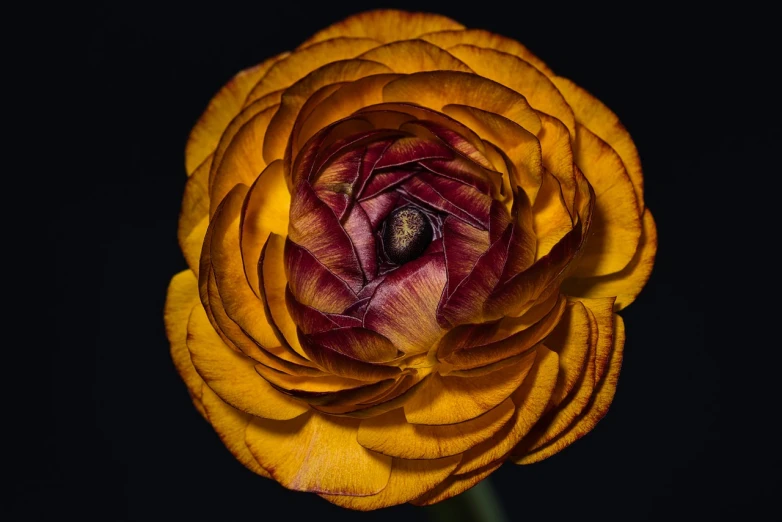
point(409, 479)
point(299, 64)
point(550, 217)
point(247, 113)
point(601, 310)
point(221, 109)
point(514, 73)
point(571, 341)
point(343, 102)
point(557, 154)
point(530, 399)
point(232, 376)
point(318, 453)
point(181, 298)
point(391, 434)
point(447, 39)
point(230, 425)
point(411, 56)
point(557, 420)
point(449, 400)
point(598, 118)
point(241, 162)
point(295, 96)
point(616, 225)
point(597, 408)
point(627, 283)
point(240, 303)
point(454, 485)
point(436, 89)
point(385, 25)
point(194, 215)
point(520, 146)
point(266, 210)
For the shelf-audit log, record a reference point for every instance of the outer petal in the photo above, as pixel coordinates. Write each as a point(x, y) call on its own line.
point(627, 283)
point(181, 298)
point(452, 399)
point(318, 453)
point(409, 479)
point(598, 118)
point(455, 484)
point(221, 109)
point(436, 89)
point(297, 65)
point(232, 376)
point(616, 225)
point(480, 38)
point(385, 25)
point(391, 434)
point(597, 408)
point(230, 425)
point(530, 399)
point(194, 215)
point(513, 72)
point(412, 56)
point(571, 340)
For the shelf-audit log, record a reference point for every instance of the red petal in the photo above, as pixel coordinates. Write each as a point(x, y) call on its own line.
point(463, 245)
point(359, 229)
point(357, 343)
point(339, 364)
point(443, 195)
point(313, 284)
point(380, 206)
point(412, 148)
point(307, 319)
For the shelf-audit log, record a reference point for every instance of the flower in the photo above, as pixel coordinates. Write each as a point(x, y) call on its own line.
point(407, 243)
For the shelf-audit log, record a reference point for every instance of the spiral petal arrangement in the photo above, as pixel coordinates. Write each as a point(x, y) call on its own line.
point(407, 243)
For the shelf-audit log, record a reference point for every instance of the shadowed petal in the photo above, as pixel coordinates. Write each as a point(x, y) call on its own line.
point(313, 284)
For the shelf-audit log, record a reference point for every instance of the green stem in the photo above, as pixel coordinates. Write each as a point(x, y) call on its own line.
point(478, 504)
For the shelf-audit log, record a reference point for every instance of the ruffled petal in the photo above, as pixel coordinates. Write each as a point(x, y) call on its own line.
point(409, 479)
point(232, 376)
point(453, 399)
point(318, 453)
point(411, 56)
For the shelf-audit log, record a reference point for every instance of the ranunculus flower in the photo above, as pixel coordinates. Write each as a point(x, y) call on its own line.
point(407, 242)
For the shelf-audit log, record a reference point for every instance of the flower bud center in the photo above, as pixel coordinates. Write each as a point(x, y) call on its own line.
point(406, 234)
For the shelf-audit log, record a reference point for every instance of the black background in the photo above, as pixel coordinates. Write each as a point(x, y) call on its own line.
point(689, 435)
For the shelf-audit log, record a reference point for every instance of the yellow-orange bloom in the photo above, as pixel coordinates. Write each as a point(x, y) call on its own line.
point(407, 243)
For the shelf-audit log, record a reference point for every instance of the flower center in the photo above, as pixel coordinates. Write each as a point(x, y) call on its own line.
point(406, 234)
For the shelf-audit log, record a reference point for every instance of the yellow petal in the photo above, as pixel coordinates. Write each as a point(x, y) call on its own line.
point(385, 25)
point(409, 479)
point(601, 310)
point(627, 283)
point(557, 153)
point(455, 484)
point(391, 434)
point(449, 400)
point(598, 118)
point(238, 300)
point(343, 102)
point(230, 425)
point(299, 64)
point(550, 216)
point(598, 405)
point(296, 96)
point(436, 89)
point(233, 128)
point(616, 225)
point(267, 208)
point(194, 212)
point(571, 341)
point(241, 162)
point(411, 56)
point(519, 145)
point(530, 399)
point(557, 420)
point(221, 109)
point(514, 73)
point(447, 39)
point(181, 298)
point(318, 453)
point(232, 376)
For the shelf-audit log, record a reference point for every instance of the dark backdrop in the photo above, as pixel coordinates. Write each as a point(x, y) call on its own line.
point(689, 435)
